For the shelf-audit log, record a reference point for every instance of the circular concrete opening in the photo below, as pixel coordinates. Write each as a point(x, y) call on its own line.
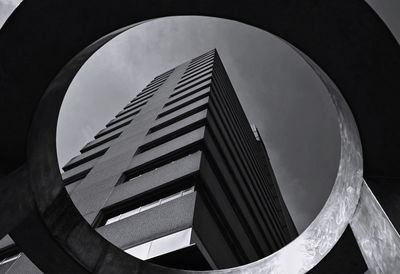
point(337, 211)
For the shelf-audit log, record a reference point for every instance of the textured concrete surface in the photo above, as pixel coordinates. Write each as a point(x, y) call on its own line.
point(345, 257)
point(378, 239)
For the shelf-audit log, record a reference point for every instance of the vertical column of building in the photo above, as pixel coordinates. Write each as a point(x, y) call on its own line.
point(104, 159)
point(180, 128)
point(161, 177)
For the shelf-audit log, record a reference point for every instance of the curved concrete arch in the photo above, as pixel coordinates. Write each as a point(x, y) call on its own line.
point(68, 26)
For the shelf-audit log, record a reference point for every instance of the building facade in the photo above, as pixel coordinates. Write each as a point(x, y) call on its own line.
point(179, 177)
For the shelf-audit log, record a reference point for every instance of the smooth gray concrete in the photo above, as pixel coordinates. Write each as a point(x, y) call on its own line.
point(157, 222)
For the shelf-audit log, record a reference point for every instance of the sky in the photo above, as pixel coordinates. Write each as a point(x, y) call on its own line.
point(277, 89)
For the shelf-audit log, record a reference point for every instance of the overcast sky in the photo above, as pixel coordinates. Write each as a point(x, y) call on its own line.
point(277, 89)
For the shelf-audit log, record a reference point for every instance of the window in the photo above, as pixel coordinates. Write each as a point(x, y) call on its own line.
point(121, 113)
point(161, 245)
point(195, 86)
point(150, 205)
point(84, 158)
point(188, 94)
point(172, 109)
point(144, 93)
point(98, 142)
point(192, 82)
point(70, 176)
point(176, 119)
point(10, 259)
point(110, 129)
point(135, 105)
point(170, 136)
point(195, 72)
point(126, 115)
point(171, 197)
point(195, 76)
point(153, 165)
point(139, 99)
point(140, 251)
point(165, 74)
point(198, 66)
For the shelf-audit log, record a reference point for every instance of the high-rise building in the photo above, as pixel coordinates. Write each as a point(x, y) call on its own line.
point(179, 177)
